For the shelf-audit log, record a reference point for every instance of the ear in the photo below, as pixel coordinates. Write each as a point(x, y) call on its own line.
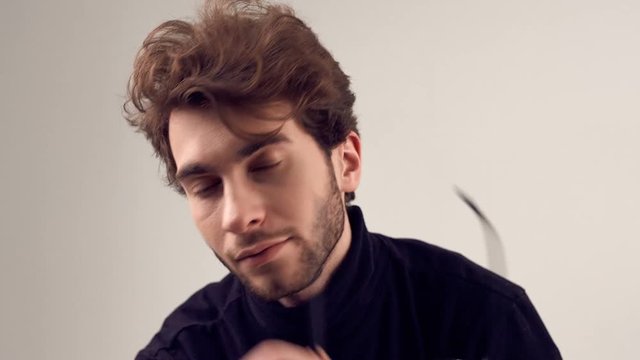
point(348, 164)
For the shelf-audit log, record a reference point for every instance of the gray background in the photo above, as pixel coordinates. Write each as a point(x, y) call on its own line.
point(530, 106)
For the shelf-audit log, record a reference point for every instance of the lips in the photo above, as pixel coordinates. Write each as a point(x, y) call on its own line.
point(257, 249)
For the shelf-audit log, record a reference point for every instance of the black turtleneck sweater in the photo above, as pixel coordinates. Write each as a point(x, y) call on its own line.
point(388, 299)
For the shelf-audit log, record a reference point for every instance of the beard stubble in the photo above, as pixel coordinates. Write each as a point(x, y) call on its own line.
point(327, 229)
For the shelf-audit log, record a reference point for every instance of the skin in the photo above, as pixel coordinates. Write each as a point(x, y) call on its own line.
point(281, 350)
point(286, 192)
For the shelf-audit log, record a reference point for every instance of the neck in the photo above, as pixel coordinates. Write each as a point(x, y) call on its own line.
point(332, 263)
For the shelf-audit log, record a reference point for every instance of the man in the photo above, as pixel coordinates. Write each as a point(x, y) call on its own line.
point(253, 119)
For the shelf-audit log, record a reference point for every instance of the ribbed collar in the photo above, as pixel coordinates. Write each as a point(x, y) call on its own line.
point(345, 299)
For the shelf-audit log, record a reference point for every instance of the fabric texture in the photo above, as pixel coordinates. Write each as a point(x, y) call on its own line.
point(388, 299)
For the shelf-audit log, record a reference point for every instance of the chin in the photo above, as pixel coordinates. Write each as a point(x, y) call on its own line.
point(271, 291)
point(272, 288)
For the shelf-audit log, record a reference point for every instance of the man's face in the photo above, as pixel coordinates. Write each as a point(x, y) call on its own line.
point(271, 210)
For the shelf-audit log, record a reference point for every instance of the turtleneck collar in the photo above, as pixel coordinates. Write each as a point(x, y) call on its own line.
point(351, 286)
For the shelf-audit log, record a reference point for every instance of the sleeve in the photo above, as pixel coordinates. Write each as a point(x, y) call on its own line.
point(159, 355)
point(198, 343)
point(522, 335)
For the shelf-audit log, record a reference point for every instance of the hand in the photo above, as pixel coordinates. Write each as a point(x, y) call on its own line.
point(282, 350)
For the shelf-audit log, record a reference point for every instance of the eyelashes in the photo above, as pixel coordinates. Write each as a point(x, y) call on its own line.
point(207, 188)
point(264, 167)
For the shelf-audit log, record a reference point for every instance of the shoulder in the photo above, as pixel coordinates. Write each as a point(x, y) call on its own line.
point(461, 302)
point(432, 265)
point(196, 317)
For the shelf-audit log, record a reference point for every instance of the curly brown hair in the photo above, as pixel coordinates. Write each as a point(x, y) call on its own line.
point(240, 54)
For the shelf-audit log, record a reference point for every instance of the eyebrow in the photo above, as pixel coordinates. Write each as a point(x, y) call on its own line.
point(244, 152)
point(251, 148)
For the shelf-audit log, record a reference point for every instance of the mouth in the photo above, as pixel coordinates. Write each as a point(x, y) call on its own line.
point(260, 254)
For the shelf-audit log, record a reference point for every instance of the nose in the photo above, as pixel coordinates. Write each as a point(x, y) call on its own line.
point(244, 208)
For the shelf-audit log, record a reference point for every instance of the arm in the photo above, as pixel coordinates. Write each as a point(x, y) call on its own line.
point(521, 334)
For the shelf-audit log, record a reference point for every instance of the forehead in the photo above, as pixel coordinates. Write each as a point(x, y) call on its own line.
point(243, 123)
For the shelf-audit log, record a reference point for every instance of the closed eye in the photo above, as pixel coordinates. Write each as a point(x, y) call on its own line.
point(206, 189)
point(264, 167)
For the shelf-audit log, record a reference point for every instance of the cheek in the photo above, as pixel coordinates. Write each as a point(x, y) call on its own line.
point(296, 197)
point(200, 212)
point(209, 226)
